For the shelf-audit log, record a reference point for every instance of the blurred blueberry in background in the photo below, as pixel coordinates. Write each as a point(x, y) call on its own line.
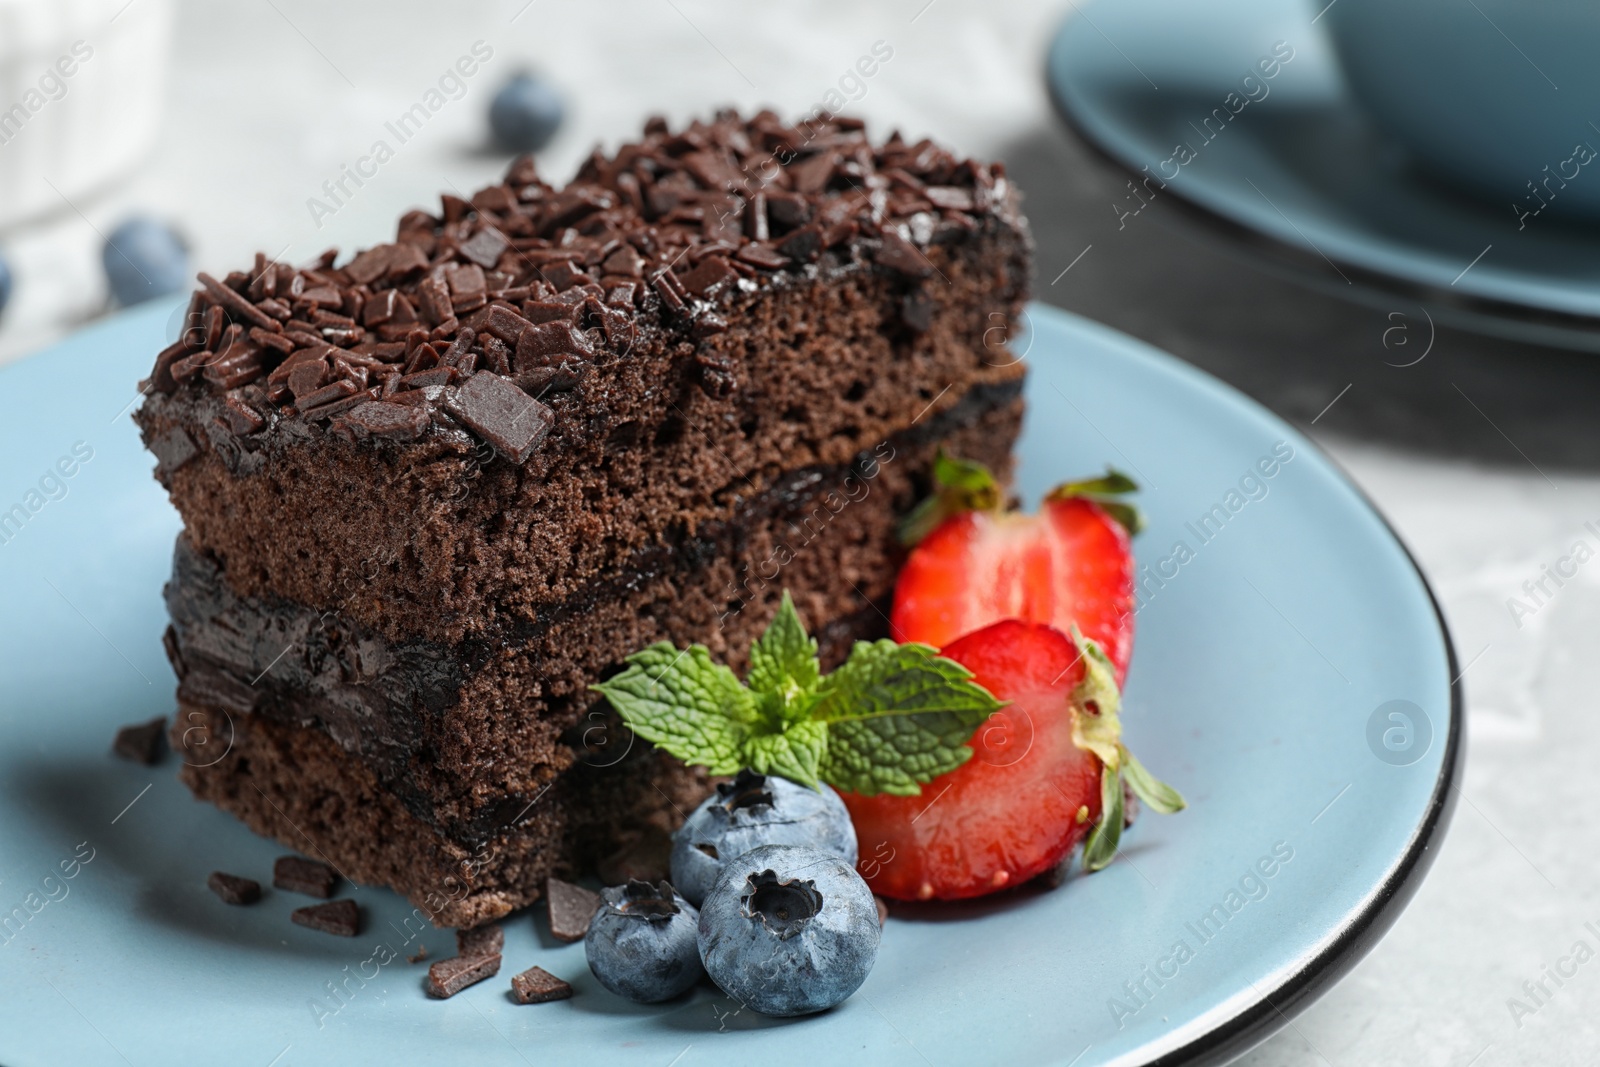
point(525, 114)
point(144, 258)
point(5, 284)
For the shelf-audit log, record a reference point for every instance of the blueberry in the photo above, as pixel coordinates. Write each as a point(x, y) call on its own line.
point(525, 114)
point(751, 811)
point(5, 283)
point(641, 943)
point(144, 259)
point(789, 931)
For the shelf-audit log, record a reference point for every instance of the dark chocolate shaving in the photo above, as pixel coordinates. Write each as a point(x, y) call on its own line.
point(571, 908)
point(341, 918)
point(300, 875)
point(142, 743)
point(233, 889)
point(522, 277)
point(538, 986)
point(449, 977)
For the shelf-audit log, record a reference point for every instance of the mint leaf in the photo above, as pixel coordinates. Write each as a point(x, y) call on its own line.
point(959, 485)
point(796, 753)
point(1161, 797)
point(898, 716)
point(783, 668)
point(893, 717)
point(686, 704)
point(1101, 847)
point(1103, 491)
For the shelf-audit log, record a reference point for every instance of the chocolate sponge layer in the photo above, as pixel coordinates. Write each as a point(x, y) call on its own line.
point(441, 538)
point(465, 734)
point(295, 784)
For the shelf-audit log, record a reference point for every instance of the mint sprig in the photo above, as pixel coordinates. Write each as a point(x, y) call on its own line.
point(892, 717)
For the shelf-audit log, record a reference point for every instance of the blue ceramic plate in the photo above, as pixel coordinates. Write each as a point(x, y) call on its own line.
point(1292, 168)
point(1292, 678)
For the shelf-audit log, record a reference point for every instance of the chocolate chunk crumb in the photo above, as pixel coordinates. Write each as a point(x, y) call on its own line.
point(233, 889)
point(571, 908)
point(505, 416)
point(537, 986)
point(420, 955)
point(142, 743)
point(487, 940)
point(300, 875)
point(339, 917)
point(449, 977)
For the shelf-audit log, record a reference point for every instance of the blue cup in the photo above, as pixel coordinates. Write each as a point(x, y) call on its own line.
point(1499, 98)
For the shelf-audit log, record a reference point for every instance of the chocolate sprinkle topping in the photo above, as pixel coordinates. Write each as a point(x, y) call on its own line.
point(525, 288)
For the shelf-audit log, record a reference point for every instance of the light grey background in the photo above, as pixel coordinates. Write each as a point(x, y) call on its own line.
point(1482, 455)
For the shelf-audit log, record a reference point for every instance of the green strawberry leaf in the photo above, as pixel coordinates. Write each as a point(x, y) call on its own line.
point(959, 486)
point(783, 667)
point(686, 704)
point(1101, 846)
point(1161, 797)
point(1103, 491)
point(1112, 483)
point(796, 753)
point(898, 716)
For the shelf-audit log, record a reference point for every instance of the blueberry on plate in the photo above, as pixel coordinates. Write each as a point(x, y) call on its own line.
point(789, 931)
point(751, 811)
point(525, 114)
point(641, 943)
point(143, 259)
point(5, 283)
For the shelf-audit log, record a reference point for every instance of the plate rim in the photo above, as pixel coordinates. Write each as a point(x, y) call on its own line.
point(1258, 1020)
point(1488, 315)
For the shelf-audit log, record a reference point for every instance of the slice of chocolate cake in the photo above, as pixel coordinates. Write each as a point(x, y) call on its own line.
point(432, 495)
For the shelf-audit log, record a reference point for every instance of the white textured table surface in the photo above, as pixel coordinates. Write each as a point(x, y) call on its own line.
point(1483, 456)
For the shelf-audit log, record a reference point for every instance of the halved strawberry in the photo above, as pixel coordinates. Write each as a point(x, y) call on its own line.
point(1026, 797)
point(974, 564)
point(1044, 768)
